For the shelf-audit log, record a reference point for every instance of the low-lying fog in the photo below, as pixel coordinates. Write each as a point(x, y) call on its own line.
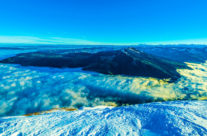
point(33, 89)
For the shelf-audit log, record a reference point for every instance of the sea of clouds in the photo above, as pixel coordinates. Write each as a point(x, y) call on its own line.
point(32, 89)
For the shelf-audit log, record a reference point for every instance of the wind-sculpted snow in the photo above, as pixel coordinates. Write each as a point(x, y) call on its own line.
point(31, 89)
point(179, 118)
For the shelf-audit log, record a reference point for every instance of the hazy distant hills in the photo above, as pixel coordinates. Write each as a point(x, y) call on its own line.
point(128, 61)
point(180, 53)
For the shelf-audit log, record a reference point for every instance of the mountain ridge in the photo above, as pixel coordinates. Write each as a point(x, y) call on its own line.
point(127, 61)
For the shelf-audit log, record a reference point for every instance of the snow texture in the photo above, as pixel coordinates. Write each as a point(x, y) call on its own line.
point(181, 118)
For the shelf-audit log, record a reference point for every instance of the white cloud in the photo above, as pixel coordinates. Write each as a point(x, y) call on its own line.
point(19, 39)
point(187, 41)
point(54, 40)
point(38, 40)
point(74, 41)
point(60, 40)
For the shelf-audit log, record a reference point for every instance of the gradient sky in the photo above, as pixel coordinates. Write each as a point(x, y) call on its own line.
point(103, 21)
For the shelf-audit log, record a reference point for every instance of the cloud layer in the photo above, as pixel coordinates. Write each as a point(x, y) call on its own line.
point(32, 89)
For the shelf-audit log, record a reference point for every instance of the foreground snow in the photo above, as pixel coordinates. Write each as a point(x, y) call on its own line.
point(167, 118)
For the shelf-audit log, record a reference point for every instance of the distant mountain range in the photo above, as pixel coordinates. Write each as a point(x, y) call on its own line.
point(181, 53)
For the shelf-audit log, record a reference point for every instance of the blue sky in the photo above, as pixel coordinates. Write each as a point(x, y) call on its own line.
point(103, 21)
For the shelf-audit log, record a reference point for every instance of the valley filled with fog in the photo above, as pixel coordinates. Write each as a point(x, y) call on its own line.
point(28, 89)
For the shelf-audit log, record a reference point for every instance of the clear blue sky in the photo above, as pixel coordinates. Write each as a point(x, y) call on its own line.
point(103, 21)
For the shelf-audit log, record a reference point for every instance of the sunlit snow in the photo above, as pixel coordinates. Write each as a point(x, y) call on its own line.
point(154, 119)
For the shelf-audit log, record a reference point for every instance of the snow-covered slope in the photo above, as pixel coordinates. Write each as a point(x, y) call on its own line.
point(167, 118)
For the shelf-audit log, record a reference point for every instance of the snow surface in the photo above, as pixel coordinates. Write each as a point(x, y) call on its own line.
point(167, 118)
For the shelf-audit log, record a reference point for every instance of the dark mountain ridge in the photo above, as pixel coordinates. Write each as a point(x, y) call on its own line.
point(128, 61)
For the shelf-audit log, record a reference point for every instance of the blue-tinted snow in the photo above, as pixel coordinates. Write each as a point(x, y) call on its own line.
point(181, 118)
